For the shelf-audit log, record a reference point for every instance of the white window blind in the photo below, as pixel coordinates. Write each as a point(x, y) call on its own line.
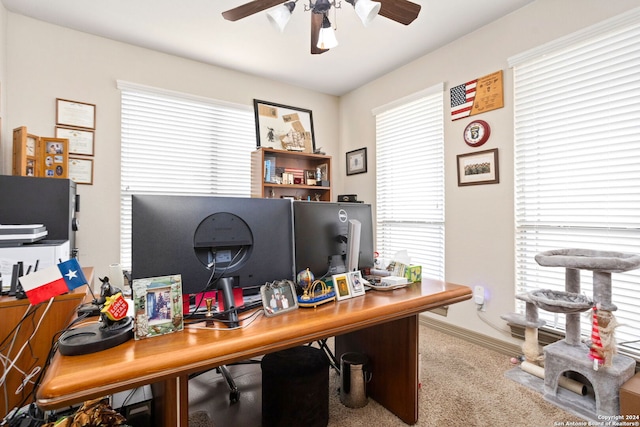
point(410, 180)
point(173, 143)
point(577, 157)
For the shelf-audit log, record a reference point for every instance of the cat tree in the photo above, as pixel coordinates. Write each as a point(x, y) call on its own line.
point(571, 354)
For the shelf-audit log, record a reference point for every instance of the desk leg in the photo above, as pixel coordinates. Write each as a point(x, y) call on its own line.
point(392, 349)
point(171, 402)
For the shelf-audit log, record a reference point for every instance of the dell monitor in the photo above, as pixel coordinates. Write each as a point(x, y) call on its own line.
point(321, 231)
point(214, 243)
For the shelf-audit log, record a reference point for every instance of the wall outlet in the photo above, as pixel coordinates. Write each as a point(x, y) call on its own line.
point(478, 295)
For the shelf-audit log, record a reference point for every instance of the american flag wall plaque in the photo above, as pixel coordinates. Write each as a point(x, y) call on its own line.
point(477, 96)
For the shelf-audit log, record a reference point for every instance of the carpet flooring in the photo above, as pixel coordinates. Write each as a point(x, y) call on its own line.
point(462, 384)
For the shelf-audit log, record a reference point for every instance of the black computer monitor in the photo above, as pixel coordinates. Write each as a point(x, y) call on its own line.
point(212, 241)
point(321, 230)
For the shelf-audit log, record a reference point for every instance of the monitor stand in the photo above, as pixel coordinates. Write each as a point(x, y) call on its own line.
point(336, 265)
point(225, 285)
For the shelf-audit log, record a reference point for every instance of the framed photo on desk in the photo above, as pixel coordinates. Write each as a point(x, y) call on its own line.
point(341, 286)
point(278, 297)
point(356, 283)
point(157, 303)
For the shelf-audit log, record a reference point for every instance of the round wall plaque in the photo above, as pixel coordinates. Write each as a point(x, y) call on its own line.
point(477, 133)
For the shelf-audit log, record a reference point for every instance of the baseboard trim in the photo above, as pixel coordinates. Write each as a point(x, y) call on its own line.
point(494, 344)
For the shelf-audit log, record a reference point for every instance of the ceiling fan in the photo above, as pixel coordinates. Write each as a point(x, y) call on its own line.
point(322, 38)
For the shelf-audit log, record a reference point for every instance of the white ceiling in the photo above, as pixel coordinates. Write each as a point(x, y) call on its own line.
point(195, 29)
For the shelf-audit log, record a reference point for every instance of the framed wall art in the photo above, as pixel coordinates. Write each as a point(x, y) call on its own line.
point(81, 141)
point(357, 161)
point(81, 170)
point(478, 168)
point(284, 127)
point(75, 114)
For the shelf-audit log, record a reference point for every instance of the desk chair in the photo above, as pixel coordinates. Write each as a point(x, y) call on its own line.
point(234, 392)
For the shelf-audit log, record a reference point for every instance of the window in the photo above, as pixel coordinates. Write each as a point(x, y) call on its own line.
point(577, 151)
point(174, 143)
point(410, 179)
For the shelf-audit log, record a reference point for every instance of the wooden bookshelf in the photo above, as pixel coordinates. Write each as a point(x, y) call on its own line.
point(268, 165)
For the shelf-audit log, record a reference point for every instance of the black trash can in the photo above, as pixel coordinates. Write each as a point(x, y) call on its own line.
point(295, 388)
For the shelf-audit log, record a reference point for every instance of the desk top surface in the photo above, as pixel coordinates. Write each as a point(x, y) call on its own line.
point(72, 379)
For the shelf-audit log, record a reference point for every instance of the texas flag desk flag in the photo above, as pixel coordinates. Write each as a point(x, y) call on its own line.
point(52, 281)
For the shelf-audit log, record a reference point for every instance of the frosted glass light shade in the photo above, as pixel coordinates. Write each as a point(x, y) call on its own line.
point(327, 38)
point(279, 16)
point(367, 10)
point(327, 35)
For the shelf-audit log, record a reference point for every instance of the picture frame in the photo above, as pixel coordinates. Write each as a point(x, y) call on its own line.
point(356, 161)
point(27, 155)
point(81, 141)
point(356, 283)
point(81, 170)
point(478, 168)
point(278, 297)
point(157, 304)
point(54, 157)
point(324, 174)
point(75, 114)
point(310, 177)
point(284, 127)
point(341, 286)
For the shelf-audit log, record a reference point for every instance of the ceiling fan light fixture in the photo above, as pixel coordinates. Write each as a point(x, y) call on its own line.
point(279, 16)
point(366, 10)
point(327, 35)
point(321, 6)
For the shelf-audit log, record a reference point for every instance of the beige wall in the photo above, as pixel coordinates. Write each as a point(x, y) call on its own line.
point(479, 219)
point(45, 62)
point(3, 97)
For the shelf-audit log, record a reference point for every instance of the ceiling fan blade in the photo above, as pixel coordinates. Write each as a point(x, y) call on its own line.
point(249, 9)
point(402, 11)
point(316, 24)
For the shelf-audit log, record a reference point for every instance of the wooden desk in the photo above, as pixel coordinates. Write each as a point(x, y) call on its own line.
point(61, 312)
point(383, 325)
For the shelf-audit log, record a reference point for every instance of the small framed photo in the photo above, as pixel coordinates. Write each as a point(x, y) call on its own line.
point(357, 161)
point(356, 283)
point(310, 177)
point(341, 286)
point(478, 168)
point(284, 127)
point(278, 297)
point(157, 303)
point(75, 114)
